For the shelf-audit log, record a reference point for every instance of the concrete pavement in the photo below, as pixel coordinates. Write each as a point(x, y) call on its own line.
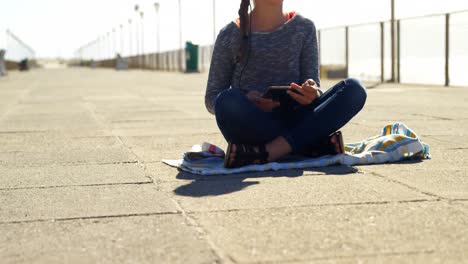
point(81, 179)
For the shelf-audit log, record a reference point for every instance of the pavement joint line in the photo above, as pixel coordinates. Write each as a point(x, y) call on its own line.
point(437, 138)
point(90, 218)
point(220, 255)
point(75, 185)
point(314, 205)
point(459, 200)
point(106, 126)
point(23, 132)
point(462, 148)
point(67, 164)
point(156, 181)
point(160, 135)
point(158, 120)
point(351, 257)
point(139, 160)
point(130, 121)
point(409, 186)
point(435, 117)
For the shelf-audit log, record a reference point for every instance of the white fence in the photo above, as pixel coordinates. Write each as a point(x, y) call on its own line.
point(16, 49)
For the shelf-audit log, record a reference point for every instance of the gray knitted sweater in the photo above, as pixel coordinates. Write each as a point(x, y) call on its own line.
point(284, 55)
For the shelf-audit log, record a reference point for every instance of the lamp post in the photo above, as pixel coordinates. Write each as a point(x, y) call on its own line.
point(156, 58)
point(121, 40)
point(103, 47)
point(181, 46)
point(99, 48)
point(137, 8)
point(214, 21)
point(129, 37)
point(108, 45)
point(114, 44)
point(142, 40)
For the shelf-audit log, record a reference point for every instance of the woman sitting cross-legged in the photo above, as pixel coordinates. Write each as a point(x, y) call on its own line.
point(264, 48)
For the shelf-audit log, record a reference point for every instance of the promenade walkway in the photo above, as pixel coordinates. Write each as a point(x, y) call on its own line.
point(81, 179)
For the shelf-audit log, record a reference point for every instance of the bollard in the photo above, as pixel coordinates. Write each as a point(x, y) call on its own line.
point(191, 57)
point(23, 65)
point(121, 64)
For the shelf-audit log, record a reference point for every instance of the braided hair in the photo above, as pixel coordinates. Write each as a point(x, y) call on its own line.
point(244, 29)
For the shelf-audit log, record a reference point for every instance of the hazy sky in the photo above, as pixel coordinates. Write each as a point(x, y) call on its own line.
point(58, 27)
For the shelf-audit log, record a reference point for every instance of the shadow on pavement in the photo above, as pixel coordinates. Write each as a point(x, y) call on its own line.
point(224, 184)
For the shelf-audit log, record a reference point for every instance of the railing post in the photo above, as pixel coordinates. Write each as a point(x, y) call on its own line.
point(398, 58)
point(382, 52)
point(392, 39)
point(201, 58)
point(447, 49)
point(347, 50)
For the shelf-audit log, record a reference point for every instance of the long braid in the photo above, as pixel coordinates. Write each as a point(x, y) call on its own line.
point(244, 28)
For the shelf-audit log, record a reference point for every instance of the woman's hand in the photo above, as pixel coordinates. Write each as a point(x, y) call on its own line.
point(266, 105)
point(307, 93)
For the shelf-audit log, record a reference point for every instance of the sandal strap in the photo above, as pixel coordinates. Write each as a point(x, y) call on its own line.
point(247, 154)
point(326, 147)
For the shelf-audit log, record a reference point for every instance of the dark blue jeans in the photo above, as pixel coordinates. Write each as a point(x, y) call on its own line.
point(240, 121)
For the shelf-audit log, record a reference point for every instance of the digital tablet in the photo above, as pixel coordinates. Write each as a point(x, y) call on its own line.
point(277, 92)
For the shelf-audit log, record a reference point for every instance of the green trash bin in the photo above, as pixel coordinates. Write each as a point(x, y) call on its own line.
point(191, 57)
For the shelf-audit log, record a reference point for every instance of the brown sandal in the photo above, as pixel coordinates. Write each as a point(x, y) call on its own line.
point(327, 147)
point(246, 155)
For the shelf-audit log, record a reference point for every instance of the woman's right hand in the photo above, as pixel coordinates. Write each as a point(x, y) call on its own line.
point(265, 104)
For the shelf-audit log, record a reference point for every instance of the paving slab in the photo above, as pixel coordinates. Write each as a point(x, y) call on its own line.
point(49, 109)
point(83, 143)
point(187, 128)
point(63, 156)
point(82, 202)
point(149, 239)
point(48, 96)
point(449, 183)
point(58, 176)
point(34, 124)
point(441, 128)
point(301, 234)
point(288, 191)
point(154, 148)
point(444, 156)
point(448, 142)
point(154, 123)
point(68, 133)
point(454, 257)
point(34, 141)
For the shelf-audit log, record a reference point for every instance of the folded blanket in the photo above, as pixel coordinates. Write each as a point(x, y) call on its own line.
point(396, 142)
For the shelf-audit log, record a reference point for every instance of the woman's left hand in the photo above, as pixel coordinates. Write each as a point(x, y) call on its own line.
point(307, 93)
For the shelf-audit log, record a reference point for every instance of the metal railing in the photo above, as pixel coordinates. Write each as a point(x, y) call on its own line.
point(16, 49)
point(429, 49)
